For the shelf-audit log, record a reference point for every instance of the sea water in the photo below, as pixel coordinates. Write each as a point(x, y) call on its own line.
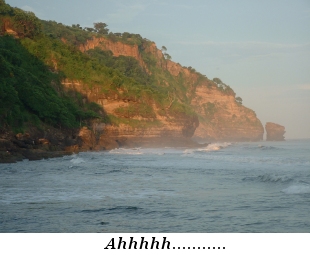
point(223, 187)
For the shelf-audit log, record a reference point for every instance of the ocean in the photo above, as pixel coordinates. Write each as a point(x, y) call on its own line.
point(220, 188)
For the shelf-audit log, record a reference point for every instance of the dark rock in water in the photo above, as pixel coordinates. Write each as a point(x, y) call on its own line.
point(275, 132)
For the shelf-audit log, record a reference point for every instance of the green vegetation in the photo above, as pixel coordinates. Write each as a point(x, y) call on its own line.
point(239, 100)
point(73, 35)
point(76, 35)
point(223, 87)
point(25, 24)
point(28, 90)
point(36, 56)
point(127, 66)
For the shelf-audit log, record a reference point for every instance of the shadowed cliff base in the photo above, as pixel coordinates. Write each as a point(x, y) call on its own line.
point(18, 147)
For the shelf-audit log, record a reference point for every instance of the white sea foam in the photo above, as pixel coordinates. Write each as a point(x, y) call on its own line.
point(133, 151)
point(297, 189)
point(77, 160)
point(210, 147)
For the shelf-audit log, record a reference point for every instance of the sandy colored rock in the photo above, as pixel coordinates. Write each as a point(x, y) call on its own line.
point(275, 132)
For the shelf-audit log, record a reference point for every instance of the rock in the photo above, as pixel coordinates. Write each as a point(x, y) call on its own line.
point(222, 118)
point(43, 141)
point(72, 148)
point(4, 144)
point(19, 136)
point(106, 143)
point(275, 132)
point(87, 139)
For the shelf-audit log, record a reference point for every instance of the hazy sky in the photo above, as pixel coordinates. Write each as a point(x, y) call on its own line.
point(260, 48)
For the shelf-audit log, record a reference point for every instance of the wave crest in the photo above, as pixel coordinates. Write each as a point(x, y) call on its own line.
point(77, 160)
point(133, 151)
point(297, 189)
point(210, 147)
point(269, 178)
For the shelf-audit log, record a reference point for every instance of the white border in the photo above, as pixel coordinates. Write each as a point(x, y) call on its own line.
point(93, 244)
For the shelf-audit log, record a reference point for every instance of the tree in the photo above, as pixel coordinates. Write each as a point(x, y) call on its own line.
point(89, 29)
point(4, 8)
point(26, 23)
point(239, 100)
point(167, 56)
point(217, 81)
point(163, 48)
point(101, 28)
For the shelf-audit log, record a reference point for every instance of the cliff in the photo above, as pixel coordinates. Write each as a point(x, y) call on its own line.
point(220, 116)
point(69, 89)
point(275, 132)
point(135, 127)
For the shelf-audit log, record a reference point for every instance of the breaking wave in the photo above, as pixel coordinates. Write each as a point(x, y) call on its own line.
point(113, 209)
point(133, 151)
point(210, 147)
point(271, 178)
point(77, 160)
point(297, 189)
point(261, 147)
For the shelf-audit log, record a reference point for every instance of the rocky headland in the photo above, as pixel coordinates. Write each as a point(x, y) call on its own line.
point(116, 90)
point(275, 132)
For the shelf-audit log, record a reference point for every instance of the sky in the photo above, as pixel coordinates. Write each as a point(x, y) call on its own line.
point(259, 48)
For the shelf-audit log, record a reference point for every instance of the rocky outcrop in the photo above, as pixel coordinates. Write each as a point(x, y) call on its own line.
point(275, 132)
point(7, 29)
point(117, 48)
point(37, 144)
point(222, 118)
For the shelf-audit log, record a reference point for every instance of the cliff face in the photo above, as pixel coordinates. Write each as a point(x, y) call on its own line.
point(167, 129)
point(117, 48)
point(275, 132)
point(220, 116)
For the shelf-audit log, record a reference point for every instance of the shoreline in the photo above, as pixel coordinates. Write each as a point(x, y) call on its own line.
point(17, 148)
point(12, 151)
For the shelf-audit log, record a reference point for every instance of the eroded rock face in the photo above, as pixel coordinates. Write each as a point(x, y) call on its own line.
point(117, 48)
point(159, 126)
point(275, 132)
point(222, 118)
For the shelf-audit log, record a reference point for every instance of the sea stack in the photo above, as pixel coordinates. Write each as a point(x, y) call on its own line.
point(275, 132)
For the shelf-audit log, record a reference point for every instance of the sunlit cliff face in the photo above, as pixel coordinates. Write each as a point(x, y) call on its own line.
point(220, 116)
